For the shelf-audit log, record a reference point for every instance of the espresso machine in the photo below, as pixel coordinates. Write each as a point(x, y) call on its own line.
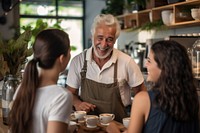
point(137, 51)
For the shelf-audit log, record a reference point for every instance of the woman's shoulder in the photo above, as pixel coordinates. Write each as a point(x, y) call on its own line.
point(142, 99)
point(62, 93)
point(141, 104)
point(56, 90)
point(65, 91)
point(142, 95)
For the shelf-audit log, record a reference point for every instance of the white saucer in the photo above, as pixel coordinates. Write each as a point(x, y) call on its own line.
point(105, 124)
point(72, 123)
point(91, 126)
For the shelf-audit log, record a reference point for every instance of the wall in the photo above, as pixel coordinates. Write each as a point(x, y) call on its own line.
point(93, 8)
point(6, 29)
point(141, 36)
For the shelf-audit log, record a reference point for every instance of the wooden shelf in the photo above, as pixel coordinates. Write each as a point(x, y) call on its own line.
point(136, 20)
point(128, 20)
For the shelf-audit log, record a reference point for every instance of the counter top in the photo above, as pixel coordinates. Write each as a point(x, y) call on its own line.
point(3, 128)
point(99, 129)
point(80, 128)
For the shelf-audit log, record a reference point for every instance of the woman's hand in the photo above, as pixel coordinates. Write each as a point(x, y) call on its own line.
point(112, 128)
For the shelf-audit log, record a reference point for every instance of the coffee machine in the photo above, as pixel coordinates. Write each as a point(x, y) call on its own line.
point(137, 51)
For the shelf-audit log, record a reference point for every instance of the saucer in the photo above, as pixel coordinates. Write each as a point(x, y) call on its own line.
point(71, 123)
point(90, 129)
point(72, 117)
point(91, 126)
point(105, 124)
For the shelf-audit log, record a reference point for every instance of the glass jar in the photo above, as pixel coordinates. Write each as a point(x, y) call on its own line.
point(9, 87)
point(195, 57)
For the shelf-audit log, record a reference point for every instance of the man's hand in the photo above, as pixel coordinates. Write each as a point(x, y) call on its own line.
point(78, 104)
point(85, 106)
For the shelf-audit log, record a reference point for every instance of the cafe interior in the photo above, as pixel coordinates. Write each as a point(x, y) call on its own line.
point(142, 24)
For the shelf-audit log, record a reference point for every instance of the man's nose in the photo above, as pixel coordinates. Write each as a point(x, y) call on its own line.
point(104, 43)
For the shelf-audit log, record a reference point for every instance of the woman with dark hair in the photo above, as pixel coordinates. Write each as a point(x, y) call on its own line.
point(171, 106)
point(40, 106)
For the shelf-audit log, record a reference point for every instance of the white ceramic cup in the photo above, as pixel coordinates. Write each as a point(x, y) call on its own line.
point(167, 17)
point(126, 121)
point(106, 118)
point(91, 121)
point(150, 16)
point(80, 115)
point(195, 12)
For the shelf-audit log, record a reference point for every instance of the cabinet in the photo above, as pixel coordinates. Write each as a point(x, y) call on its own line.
point(140, 18)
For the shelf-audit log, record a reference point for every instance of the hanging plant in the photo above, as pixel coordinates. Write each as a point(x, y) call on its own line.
point(114, 7)
point(156, 25)
point(141, 3)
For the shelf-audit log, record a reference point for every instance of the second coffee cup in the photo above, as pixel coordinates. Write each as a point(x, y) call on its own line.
point(106, 118)
point(91, 121)
point(79, 115)
point(126, 121)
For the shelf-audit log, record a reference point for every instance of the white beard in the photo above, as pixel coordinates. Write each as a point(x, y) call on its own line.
point(109, 50)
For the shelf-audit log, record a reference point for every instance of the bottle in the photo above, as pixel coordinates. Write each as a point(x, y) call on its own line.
point(195, 56)
point(8, 90)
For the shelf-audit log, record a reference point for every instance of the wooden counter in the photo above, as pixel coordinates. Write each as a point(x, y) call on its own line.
point(98, 129)
point(3, 128)
point(72, 129)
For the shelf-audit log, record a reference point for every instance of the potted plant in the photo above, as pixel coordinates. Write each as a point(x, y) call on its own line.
point(114, 7)
point(138, 4)
point(14, 53)
point(156, 25)
point(118, 7)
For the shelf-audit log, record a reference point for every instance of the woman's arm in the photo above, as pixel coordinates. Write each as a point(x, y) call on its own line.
point(57, 127)
point(139, 114)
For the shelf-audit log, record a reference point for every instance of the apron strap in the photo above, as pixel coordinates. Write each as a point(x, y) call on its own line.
point(84, 69)
point(115, 72)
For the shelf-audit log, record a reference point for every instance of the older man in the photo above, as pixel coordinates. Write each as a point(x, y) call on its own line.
point(101, 77)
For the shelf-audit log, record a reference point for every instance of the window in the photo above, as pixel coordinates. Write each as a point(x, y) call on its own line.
point(68, 13)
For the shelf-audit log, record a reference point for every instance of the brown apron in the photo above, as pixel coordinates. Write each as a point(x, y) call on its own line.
point(106, 97)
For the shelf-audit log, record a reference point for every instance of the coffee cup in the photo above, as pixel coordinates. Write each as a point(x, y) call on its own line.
point(106, 118)
point(126, 121)
point(91, 121)
point(79, 115)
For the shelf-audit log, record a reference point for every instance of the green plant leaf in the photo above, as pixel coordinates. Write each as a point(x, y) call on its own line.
point(156, 25)
point(73, 48)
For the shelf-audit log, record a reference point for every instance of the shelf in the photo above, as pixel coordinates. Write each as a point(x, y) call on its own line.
point(192, 23)
point(128, 20)
point(136, 20)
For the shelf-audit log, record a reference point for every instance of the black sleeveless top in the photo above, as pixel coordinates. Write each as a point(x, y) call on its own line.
point(159, 122)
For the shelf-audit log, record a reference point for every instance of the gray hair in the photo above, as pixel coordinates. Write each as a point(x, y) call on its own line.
point(108, 20)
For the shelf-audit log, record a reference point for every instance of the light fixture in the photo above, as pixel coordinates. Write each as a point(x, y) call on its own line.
point(42, 10)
